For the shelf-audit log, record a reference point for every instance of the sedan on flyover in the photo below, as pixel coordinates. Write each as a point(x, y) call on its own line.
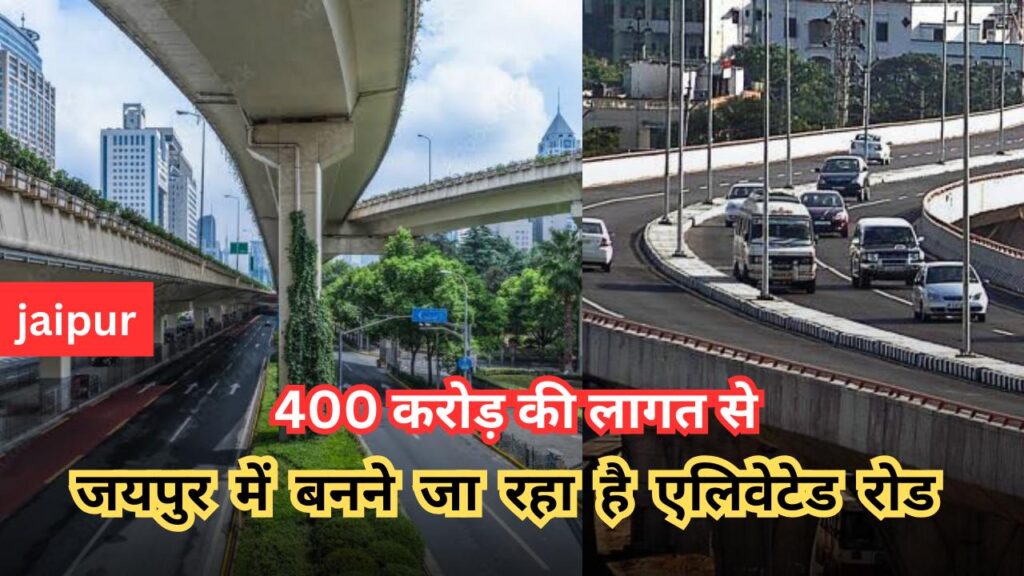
point(938, 292)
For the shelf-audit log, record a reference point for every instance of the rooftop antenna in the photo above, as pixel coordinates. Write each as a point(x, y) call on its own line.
point(558, 105)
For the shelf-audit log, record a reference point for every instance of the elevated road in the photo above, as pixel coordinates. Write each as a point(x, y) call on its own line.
point(634, 291)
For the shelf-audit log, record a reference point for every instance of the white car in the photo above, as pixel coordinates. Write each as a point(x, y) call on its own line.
point(878, 151)
point(938, 291)
point(735, 198)
point(597, 244)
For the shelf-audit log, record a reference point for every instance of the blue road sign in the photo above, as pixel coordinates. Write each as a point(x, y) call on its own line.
point(430, 315)
point(465, 364)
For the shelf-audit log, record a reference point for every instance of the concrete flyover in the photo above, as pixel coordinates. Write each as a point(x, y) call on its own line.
point(826, 419)
point(535, 187)
point(304, 95)
point(991, 194)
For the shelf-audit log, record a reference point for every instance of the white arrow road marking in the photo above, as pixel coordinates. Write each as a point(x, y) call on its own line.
point(234, 388)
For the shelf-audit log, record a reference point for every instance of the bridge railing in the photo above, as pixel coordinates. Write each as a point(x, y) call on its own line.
point(30, 187)
point(870, 386)
point(1002, 264)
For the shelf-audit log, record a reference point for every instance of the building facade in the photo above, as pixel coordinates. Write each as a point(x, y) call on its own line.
point(208, 224)
point(558, 139)
point(183, 202)
point(135, 166)
point(259, 266)
point(27, 101)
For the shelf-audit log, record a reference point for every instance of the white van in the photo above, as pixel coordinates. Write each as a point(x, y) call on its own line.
point(791, 244)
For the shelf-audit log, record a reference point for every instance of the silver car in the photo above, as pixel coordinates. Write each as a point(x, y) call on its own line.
point(939, 291)
point(735, 198)
point(597, 244)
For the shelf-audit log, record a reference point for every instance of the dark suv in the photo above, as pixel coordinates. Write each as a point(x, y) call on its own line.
point(847, 175)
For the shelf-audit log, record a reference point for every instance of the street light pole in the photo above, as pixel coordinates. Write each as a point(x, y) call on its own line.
point(202, 171)
point(765, 258)
point(789, 103)
point(684, 101)
point(668, 121)
point(466, 338)
point(430, 157)
point(965, 347)
point(709, 34)
point(238, 227)
point(1002, 75)
point(945, 58)
point(868, 65)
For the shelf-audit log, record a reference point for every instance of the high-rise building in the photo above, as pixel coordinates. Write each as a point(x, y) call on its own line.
point(135, 166)
point(27, 100)
point(183, 202)
point(209, 226)
point(558, 139)
point(259, 267)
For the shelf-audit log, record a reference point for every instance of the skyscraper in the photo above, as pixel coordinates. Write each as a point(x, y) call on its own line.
point(135, 168)
point(183, 202)
point(209, 225)
point(27, 100)
point(145, 169)
point(557, 140)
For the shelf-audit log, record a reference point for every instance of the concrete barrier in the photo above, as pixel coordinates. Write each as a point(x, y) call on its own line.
point(659, 245)
point(969, 444)
point(605, 170)
point(942, 209)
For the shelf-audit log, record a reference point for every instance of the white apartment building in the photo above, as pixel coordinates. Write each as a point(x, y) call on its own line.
point(183, 202)
point(135, 166)
point(27, 100)
point(901, 27)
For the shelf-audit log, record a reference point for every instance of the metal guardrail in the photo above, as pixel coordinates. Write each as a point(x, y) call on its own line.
point(871, 386)
point(975, 239)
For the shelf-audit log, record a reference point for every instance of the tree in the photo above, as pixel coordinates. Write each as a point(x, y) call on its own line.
point(597, 71)
point(560, 261)
point(491, 256)
point(601, 141)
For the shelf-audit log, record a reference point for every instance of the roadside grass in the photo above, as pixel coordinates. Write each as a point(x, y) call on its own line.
point(292, 543)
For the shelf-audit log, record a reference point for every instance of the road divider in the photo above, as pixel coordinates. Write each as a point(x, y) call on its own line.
point(659, 245)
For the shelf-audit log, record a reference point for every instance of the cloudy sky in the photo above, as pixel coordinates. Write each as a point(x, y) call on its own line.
point(485, 87)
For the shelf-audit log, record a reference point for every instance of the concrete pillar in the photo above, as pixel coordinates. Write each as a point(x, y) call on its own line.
point(199, 316)
point(57, 368)
point(159, 348)
point(55, 374)
point(300, 152)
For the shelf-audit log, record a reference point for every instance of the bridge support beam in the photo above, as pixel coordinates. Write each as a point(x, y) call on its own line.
point(299, 152)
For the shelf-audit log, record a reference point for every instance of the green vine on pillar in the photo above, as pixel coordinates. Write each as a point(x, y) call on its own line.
point(308, 338)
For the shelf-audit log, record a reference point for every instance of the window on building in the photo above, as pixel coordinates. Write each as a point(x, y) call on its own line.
point(881, 31)
point(792, 28)
point(938, 35)
point(818, 31)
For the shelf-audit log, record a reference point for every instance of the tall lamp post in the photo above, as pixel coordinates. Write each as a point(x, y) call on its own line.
point(945, 59)
point(466, 338)
point(708, 36)
point(965, 346)
point(238, 226)
point(668, 122)
point(202, 170)
point(430, 157)
point(1005, 21)
point(868, 65)
point(765, 258)
point(684, 102)
point(789, 102)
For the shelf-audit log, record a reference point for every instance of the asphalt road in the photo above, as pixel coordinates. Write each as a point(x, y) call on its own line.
point(633, 290)
point(887, 305)
point(199, 423)
point(497, 544)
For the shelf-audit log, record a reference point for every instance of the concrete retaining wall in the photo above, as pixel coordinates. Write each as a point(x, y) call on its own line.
point(942, 209)
point(916, 432)
point(638, 166)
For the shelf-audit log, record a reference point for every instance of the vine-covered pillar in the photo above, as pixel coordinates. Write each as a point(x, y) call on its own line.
point(299, 152)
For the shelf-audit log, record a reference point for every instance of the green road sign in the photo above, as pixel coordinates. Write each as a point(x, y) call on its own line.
point(239, 248)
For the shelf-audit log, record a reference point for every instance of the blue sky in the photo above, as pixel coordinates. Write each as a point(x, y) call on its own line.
point(484, 88)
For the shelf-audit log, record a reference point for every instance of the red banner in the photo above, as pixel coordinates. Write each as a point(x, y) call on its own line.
point(76, 318)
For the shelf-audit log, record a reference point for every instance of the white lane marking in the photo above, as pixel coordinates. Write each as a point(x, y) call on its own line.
point(217, 383)
point(1003, 332)
point(180, 429)
point(232, 363)
point(876, 291)
point(904, 197)
point(919, 194)
point(705, 187)
point(798, 173)
point(617, 200)
point(88, 547)
point(902, 156)
point(146, 387)
point(190, 388)
point(929, 153)
point(724, 184)
point(593, 304)
point(516, 537)
point(866, 204)
point(416, 436)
